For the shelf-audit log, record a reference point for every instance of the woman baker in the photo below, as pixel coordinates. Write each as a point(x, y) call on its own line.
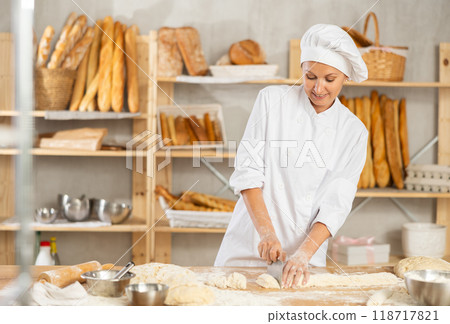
point(299, 162)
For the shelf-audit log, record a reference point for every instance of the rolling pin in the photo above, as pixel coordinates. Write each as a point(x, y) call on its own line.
point(65, 276)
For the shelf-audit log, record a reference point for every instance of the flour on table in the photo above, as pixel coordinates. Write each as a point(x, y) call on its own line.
point(184, 285)
point(336, 280)
point(267, 281)
point(237, 280)
point(419, 263)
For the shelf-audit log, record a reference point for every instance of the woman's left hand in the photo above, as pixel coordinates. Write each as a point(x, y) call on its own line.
point(294, 268)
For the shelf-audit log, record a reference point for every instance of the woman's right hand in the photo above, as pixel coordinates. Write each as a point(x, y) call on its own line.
point(270, 249)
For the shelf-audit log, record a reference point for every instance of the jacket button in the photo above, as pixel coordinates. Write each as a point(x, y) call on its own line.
point(280, 186)
point(299, 120)
point(308, 197)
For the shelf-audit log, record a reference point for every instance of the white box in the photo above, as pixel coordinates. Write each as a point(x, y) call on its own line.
point(191, 218)
point(362, 254)
point(215, 112)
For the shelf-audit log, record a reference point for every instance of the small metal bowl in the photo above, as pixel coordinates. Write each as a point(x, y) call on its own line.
point(100, 282)
point(45, 215)
point(76, 210)
point(146, 294)
point(105, 211)
point(429, 287)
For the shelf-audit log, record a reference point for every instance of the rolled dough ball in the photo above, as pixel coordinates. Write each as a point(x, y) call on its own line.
point(378, 298)
point(419, 263)
point(189, 295)
point(219, 281)
point(237, 281)
point(267, 281)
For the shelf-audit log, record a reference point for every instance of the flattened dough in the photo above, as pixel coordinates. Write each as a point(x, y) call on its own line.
point(237, 281)
point(267, 281)
point(189, 295)
point(419, 263)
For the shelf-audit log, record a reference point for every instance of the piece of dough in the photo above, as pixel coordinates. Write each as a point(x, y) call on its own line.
point(237, 281)
point(218, 280)
point(194, 295)
point(419, 263)
point(267, 281)
point(379, 297)
point(354, 280)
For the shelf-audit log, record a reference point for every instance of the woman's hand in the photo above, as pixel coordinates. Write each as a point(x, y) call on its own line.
point(270, 249)
point(294, 268)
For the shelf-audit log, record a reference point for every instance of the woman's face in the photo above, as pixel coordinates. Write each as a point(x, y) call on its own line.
point(322, 84)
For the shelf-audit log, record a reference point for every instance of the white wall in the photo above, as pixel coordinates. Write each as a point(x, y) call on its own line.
point(420, 25)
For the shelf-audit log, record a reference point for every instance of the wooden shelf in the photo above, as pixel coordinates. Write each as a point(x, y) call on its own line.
point(362, 84)
point(130, 226)
point(168, 229)
point(41, 114)
point(190, 154)
point(56, 152)
point(396, 193)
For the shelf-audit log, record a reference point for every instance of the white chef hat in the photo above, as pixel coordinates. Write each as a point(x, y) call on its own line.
point(331, 45)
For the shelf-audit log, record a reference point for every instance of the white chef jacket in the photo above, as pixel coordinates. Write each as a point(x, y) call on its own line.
point(307, 165)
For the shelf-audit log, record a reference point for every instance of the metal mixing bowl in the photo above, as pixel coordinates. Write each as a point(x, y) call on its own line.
point(76, 210)
point(105, 211)
point(45, 215)
point(146, 294)
point(429, 287)
point(100, 282)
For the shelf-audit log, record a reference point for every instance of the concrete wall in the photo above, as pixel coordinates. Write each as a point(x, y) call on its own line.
point(420, 25)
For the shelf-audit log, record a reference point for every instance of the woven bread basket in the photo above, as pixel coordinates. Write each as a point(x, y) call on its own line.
point(53, 88)
point(385, 63)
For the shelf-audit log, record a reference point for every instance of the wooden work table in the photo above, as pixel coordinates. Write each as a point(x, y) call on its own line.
point(329, 296)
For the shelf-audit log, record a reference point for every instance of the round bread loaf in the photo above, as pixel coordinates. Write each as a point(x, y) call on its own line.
point(246, 52)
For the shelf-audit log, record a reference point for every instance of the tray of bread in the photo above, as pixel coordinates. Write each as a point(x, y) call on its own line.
point(189, 126)
point(194, 209)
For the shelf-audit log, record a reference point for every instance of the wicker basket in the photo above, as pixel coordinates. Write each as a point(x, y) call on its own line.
point(53, 88)
point(385, 63)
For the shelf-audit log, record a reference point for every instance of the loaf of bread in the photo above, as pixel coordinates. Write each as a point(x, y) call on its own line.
point(132, 71)
point(170, 63)
point(192, 136)
point(172, 131)
point(63, 277)
point(351, 105)
point(118, 72)
point(217, 131)
point(181, 131)
point(209, 128)
point(202, 200)
point(365, 174)
point(246, 52)
point(56, 58)
point(367, 122)
point(164, 127)
point(380, 164)
point(198, 129)
point(343, 100)
point(105, 66)
point(90, 94)
point(383, 99)
point(188, 40)
point(78, 52)
point(393, 142)
point(43, 50)
point(403, 132)
point(76, 33)
point(80, 83)
point(93, 60)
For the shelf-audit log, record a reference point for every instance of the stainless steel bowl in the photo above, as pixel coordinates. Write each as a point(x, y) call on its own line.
point(105, 211)
point(45, 215)
point(429, 287)
point(146, 294)
point(76, 210)
point(101, 282)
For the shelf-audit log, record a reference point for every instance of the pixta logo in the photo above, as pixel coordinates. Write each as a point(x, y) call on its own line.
point(143, 147)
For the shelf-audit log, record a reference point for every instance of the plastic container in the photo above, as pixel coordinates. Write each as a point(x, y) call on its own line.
point(44, 257)
point(424, 239)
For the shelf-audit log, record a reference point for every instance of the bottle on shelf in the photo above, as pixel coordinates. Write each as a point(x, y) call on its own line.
point(44, 257)
point(54, 251)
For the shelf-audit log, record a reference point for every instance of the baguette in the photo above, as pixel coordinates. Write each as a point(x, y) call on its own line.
point(380, 164)
point(90, 94)
point(161, 191)
point(351, 105)
point(132, 71)
point(170, 63)
point(343, 100)
point(172, 132)
point(198, 129)
point(93, 60)
point(403, 132)
point(105, 66)
point(199, 199)
point(367, 122)
point(118, 76)
point(365, 174)
point(60, 46)
point(217, 131)
point(392, 143)
point(68, 275)
point(80, 82)
point(209, 128)
point(181, 132)
point(78, 52)
point(76, 33)
point(383, 99)
point(44, 46)
point(188, 40)
point(192, 136)
point(164, 128)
